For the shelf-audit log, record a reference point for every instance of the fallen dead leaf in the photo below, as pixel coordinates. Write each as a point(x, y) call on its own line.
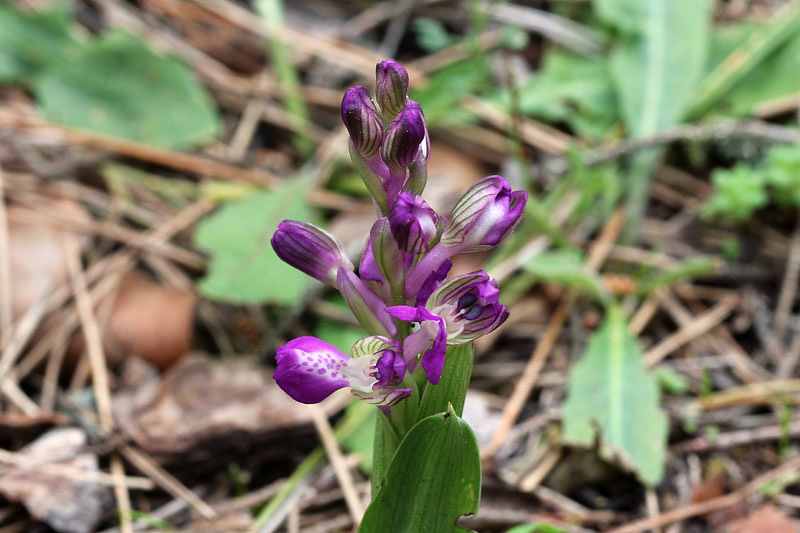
point(66, 505)
point(767, 519)
point(206, 406)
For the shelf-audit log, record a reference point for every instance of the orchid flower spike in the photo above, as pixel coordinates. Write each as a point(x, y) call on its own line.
point(310, 369)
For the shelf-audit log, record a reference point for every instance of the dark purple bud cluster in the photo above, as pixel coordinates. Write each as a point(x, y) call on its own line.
point(401, 281)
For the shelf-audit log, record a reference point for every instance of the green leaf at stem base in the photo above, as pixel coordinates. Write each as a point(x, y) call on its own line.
point(434, 478)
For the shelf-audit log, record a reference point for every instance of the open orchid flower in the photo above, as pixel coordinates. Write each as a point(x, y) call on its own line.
point(458, 312)
point(309, 370)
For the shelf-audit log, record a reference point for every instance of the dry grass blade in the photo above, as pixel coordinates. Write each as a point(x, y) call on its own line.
point(338, 462)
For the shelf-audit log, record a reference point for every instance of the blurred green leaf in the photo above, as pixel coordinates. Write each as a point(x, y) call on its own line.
point(566, 268)
point(739, 77)
point(432, 36)
point(658, 63)
point(690, 268)
point(243, 267)
point(29, 42)
point(738, 193)
point(149, 98)
point(670, 380)
point(434, 478)
point(343, 336)
point(570, 88)
point(609, 390)
point(780, 68)
point(782, 167)
point(441, 95)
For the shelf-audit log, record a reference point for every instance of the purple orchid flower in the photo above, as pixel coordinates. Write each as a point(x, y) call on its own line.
point(310, 249)
point(458, 312)
point(310, 369)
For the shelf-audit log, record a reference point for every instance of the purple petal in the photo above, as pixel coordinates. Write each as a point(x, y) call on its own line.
point(309, 369)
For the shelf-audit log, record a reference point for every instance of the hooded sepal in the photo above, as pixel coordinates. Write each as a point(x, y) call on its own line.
point(484, 216)
point(391, 87)
point(414, 223)
point(362, 120)
point(403, 139)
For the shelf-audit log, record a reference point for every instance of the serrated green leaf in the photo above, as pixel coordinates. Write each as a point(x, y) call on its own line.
point(566, 268)
point(434, 478)
point(610, 390)
point(149, 98)
point(244, 268)
point(452, 388)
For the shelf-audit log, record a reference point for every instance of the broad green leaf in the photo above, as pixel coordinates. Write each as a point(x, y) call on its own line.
point(434, 478)
point(780, 67)
point(244, 268)
point(659, 61)
point(611, 392)
point(747, 58)
point(535, 528)
point(570, 88)
point(117, 86)
point(28, 42)
point(566, 267)
point(452, 388)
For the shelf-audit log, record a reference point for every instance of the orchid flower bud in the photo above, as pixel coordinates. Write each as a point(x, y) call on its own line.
point(362, 121)
point(310, 249)
point(367, 307)
point(391, 87)
point(414, 224)
point(309, 370)
point(403, 139)
point(484, 216)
